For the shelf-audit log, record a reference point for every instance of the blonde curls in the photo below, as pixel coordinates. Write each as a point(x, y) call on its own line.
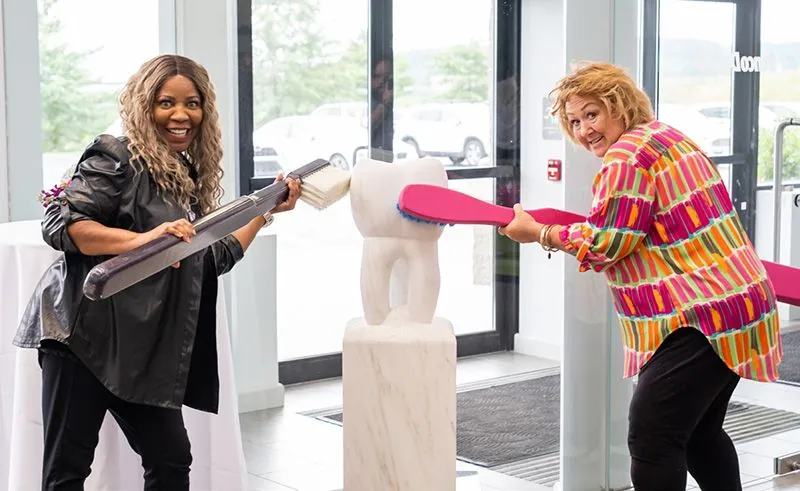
point(147, 147)
point(610, 85)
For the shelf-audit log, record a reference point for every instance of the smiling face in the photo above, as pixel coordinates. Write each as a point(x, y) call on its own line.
point(178, 112)
point(591, 124)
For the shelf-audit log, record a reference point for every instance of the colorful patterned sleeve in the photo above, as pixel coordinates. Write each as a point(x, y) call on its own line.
point(620, 217)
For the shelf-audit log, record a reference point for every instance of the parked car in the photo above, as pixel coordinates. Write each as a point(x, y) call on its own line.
point(298, 140)
point(460, 131)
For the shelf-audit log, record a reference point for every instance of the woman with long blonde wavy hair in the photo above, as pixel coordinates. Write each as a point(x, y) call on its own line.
point(167, 166)
point(150, 349)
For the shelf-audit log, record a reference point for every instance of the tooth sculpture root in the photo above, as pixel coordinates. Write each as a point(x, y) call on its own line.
point(397, 251)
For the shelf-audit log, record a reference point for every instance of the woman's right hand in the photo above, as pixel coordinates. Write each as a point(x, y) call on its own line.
point(181, 229)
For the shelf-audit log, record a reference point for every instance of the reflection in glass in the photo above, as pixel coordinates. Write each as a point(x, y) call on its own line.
point(444, 110)
point(346, 93)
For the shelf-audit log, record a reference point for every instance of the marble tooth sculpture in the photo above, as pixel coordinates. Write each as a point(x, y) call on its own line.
point(394, 245)
point(398, 361)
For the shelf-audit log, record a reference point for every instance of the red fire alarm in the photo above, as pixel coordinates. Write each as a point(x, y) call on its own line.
point(553, 170)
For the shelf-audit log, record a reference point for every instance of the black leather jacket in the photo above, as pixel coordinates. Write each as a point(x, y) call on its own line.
point(154, 342)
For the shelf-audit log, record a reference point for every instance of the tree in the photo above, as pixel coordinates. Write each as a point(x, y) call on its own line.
point(766, 155)
point(465, 70)
point(72, 114)
point(296, 67)
point(355, 75)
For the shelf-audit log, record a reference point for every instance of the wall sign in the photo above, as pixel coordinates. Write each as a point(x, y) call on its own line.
point(551, 130)
point(746, 63)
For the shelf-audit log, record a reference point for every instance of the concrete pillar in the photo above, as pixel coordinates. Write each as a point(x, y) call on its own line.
point(566, 315)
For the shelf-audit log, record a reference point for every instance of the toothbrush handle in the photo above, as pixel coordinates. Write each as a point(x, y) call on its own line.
point(443, 205)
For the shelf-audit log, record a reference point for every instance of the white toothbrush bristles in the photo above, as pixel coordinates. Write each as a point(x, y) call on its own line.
point(325, 187)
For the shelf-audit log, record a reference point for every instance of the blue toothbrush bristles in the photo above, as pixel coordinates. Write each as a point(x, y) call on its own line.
point(420, 220)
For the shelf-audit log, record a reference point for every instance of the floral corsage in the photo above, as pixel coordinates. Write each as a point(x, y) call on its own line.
point(46, 197)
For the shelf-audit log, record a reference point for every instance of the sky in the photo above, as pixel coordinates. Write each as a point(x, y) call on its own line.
point(122, 46)
point(699, 20)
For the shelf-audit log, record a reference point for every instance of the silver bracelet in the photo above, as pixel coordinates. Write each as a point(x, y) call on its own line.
point(268, 219)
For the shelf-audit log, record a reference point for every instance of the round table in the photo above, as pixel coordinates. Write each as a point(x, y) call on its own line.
point(218, 457)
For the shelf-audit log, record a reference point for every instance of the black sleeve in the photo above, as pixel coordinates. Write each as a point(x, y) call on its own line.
point(92, 194)
point(227, 252)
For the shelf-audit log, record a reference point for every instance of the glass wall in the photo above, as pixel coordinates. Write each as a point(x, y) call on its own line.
point(694, 66)
point(780, 88)
point(390, 84)
point(697, 58)
point(737, 64)
point(779, 100)
point(85, 56)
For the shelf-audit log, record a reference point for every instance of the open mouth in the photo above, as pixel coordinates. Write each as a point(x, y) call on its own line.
point(178, 131)
point(595, 141)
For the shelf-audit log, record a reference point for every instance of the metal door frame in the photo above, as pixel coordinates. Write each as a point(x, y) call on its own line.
point(505, 172)
point(744, 104)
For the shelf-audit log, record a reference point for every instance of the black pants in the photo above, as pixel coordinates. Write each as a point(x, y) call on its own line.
point(74, 404)
point(676, 418)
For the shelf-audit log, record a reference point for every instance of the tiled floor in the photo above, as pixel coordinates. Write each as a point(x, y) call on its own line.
point(281, 457)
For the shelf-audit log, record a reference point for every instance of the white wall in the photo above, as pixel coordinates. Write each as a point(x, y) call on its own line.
point(5, 198)
point(541, 293)
point(22, 145)
point(205, 30)
point(566, 315)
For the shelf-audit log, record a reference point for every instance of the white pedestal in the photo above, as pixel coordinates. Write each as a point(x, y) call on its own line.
point(254, 330)
point(399, 407)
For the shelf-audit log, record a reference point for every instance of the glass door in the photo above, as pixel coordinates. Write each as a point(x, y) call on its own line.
point(700, 68)
point(344, 79)
point(779, 131)
point(726, 72)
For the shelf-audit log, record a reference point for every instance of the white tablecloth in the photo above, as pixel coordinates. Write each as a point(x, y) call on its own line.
point(218, 458)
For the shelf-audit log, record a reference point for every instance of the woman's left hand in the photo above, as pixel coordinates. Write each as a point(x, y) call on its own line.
point(294, 194)
point(523, 228)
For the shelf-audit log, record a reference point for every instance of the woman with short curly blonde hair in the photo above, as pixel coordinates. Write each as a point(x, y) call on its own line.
point(695, 306)
point(612, 86)
point(149, 350)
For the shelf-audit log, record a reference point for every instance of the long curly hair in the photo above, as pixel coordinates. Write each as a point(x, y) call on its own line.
point(609, 84)
point(149, 148)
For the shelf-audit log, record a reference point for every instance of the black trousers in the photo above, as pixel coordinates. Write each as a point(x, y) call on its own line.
point(676, 416)
point(74, 404)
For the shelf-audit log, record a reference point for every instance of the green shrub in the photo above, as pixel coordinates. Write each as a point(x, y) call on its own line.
point(791, 154)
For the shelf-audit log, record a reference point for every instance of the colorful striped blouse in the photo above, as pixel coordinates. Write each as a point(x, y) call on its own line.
point(664, 231)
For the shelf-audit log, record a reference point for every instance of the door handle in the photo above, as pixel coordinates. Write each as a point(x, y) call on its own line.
point(777, 175)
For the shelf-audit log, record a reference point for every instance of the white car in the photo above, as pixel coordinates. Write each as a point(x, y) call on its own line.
point(460, 131)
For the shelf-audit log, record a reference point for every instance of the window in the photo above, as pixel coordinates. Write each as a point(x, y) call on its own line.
point(780, 92)
point(697, 69)
point(390, 84)
point(85, 57)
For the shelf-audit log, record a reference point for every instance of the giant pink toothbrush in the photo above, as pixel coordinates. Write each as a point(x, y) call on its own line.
point(444, 206)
